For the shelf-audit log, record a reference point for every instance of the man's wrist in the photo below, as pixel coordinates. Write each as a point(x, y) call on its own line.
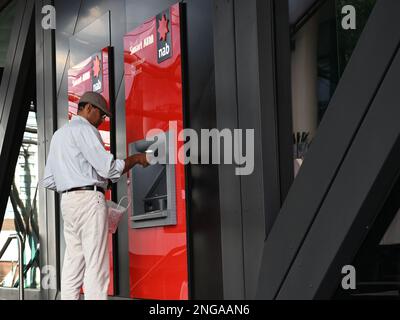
point(130, 162)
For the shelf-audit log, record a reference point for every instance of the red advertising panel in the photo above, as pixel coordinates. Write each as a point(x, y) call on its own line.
point(92, 74)
point(153, 82)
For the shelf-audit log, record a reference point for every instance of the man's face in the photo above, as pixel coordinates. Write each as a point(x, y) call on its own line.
point(96, 116)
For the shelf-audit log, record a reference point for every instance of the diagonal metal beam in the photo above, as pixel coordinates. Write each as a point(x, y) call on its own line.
point(355, 198)
point(16, 90)
point(356, 92)
point(4, 3)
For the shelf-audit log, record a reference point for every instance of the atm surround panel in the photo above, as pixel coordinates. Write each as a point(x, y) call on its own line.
point(153, 191)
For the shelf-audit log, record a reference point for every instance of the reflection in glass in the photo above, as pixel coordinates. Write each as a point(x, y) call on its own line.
point(21, 214)
point(321, 50)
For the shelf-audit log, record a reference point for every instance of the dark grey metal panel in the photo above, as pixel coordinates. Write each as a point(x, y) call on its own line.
point(4, 3)
point(68, 14)
point(124, 226)
point(252, 63)
point(138, 11)
point(14, 106)
point(121, 248)
point(16, 64)
point(12, 47)
point(62, 94)
point(118, 29)
point(91, 10)
point(359, 191)
point(114, 190)
point(229, 183)
point(283, 107)
point(347, 109)
point(301, 12)
point(263, 95)
point(251, 116)
point(298, 8)
point(47, 124)
point(90, 40)
point(204, 233)
point(67, 17)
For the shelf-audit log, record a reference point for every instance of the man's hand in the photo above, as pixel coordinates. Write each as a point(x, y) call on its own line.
point(141, 159)
point(131, 161)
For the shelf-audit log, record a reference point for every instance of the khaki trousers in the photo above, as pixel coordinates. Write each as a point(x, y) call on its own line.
point(86, 259)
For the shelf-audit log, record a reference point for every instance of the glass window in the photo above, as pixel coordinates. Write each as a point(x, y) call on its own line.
point(321, 49)
point(21, 214)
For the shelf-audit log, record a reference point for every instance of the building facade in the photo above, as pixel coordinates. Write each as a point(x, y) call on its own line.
point(316, 81)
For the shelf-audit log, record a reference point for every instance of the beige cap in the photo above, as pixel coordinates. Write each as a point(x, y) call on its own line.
point(97, 100)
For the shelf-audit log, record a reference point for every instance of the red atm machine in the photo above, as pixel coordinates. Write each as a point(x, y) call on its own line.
point(93, 74)
point(154, 100)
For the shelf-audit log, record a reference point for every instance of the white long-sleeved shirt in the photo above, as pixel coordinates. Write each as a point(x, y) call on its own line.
point(77, 158)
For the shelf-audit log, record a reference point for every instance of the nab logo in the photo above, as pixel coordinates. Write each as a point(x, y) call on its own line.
point(164, 44)
point(97, 74)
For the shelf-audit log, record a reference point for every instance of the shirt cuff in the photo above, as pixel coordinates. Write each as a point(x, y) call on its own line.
point(119, 169)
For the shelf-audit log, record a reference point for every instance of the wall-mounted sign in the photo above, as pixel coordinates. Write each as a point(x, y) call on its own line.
point(164, 34)
point(156, 37)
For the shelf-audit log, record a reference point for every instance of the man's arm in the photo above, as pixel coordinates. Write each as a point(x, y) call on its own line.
point(131, 161)
point(48, 179)
point(90, 144)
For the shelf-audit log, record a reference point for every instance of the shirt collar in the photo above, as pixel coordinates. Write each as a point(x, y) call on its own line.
point(80, 118)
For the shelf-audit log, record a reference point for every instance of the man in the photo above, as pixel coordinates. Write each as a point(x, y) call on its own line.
point(79, 168)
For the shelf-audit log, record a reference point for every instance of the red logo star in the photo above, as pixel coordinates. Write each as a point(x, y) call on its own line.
point(163, 28)
point(96, 67)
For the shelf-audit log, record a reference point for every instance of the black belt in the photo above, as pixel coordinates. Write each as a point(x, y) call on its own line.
point(86, 188)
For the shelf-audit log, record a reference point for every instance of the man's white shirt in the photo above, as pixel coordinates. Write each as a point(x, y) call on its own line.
point(77, 158)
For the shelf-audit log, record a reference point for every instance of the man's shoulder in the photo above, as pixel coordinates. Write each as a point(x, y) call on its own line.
point(61, 131)
point(65, 131)
point(73, 127)
point(76, 129)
